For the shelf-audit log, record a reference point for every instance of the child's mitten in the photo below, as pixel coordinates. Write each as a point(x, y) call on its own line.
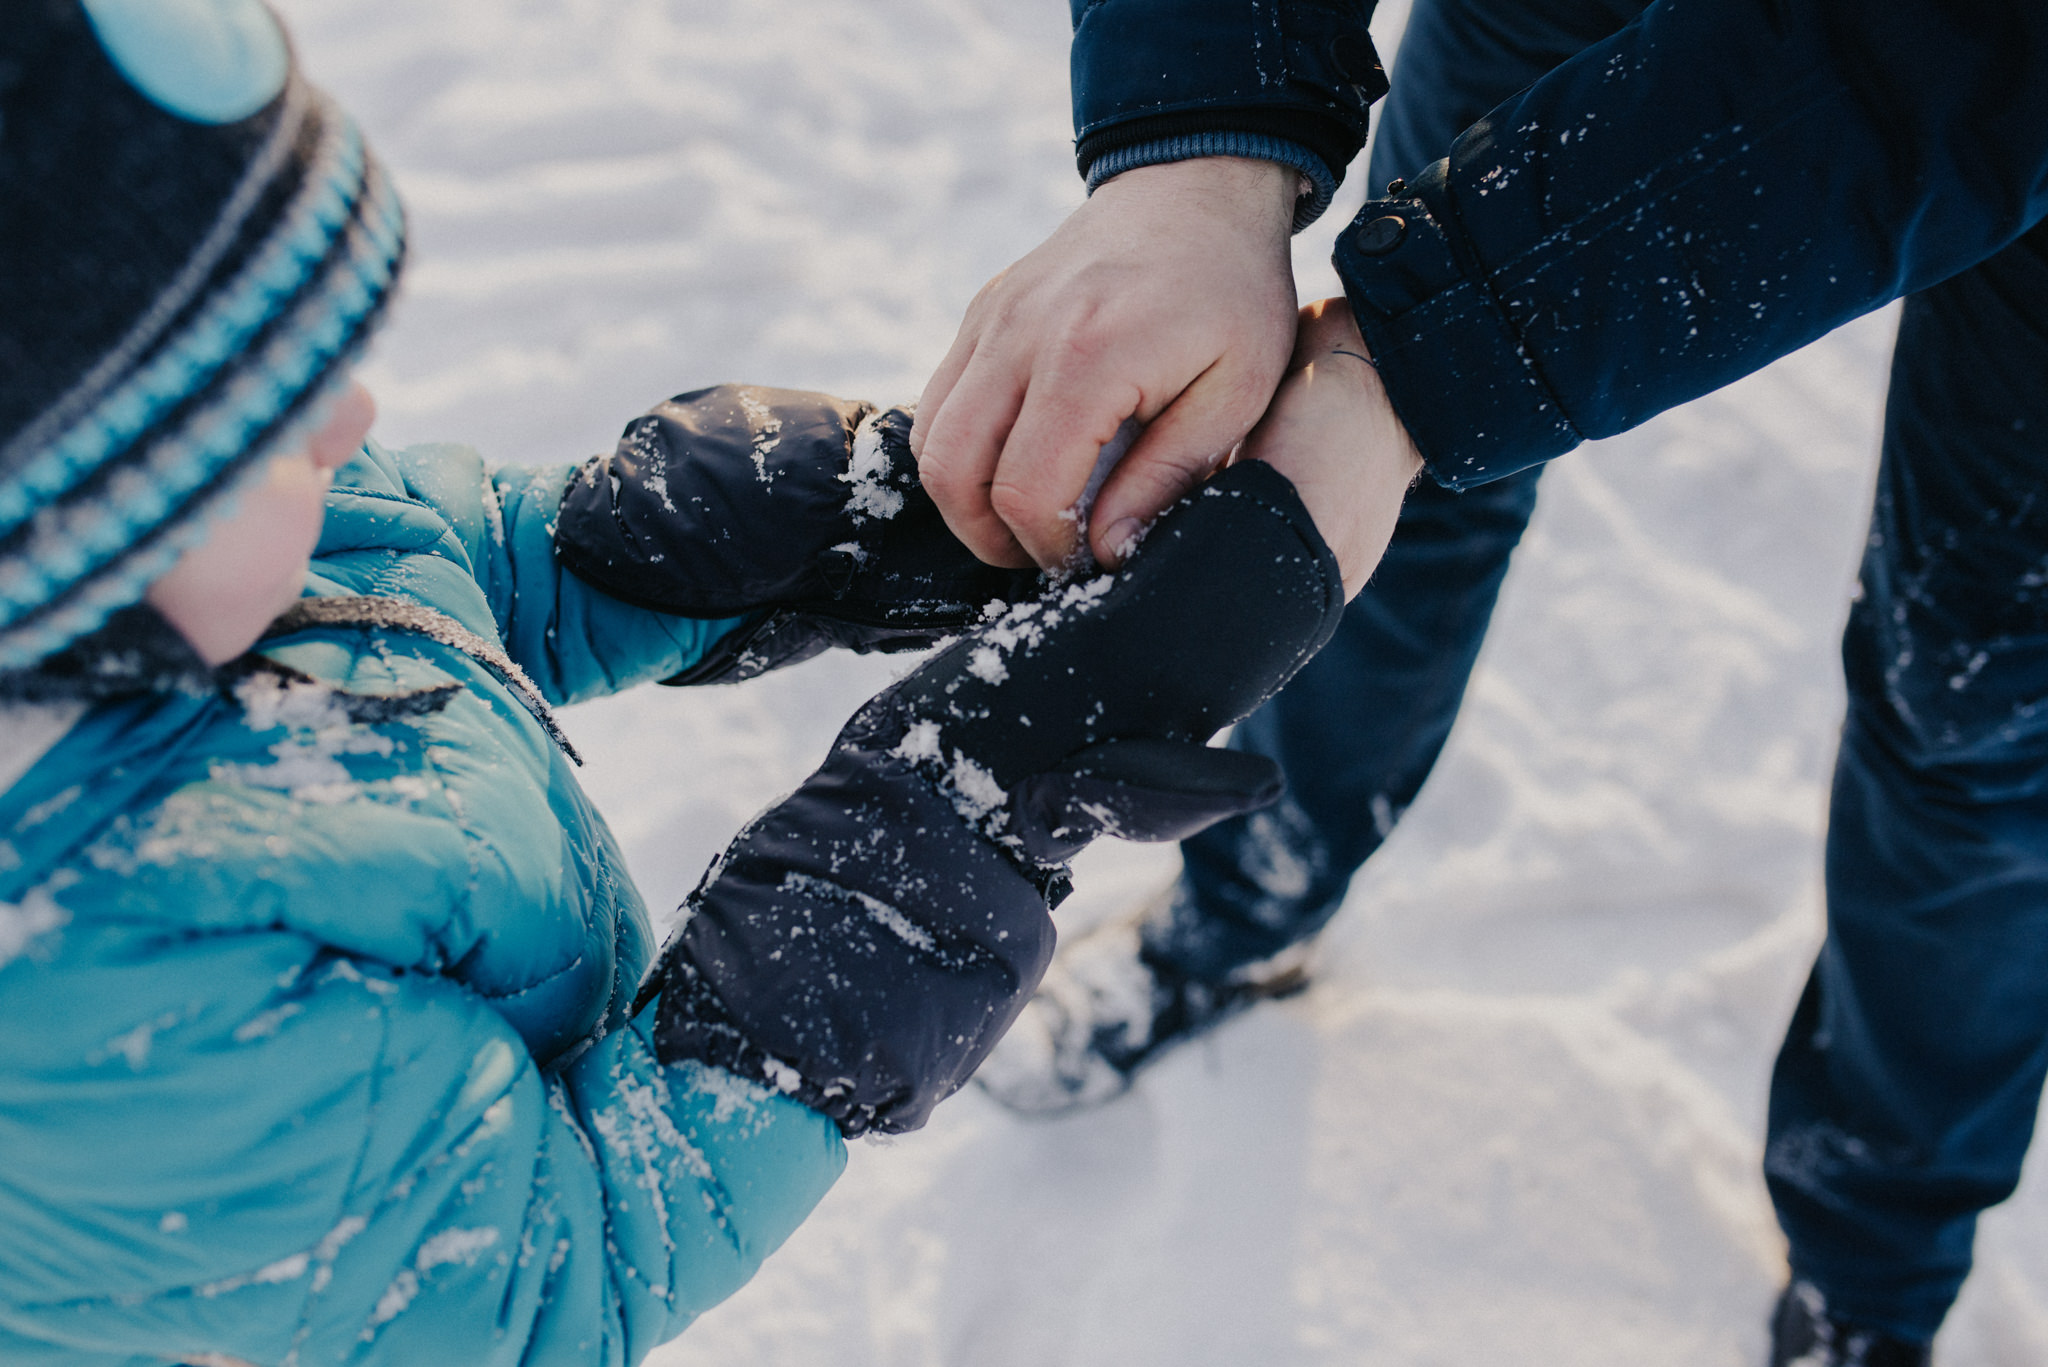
point(864, 943)
point(801, 507)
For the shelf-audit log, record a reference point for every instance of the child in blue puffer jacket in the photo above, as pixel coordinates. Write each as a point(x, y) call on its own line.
point(323, 1031)
point(315, 969)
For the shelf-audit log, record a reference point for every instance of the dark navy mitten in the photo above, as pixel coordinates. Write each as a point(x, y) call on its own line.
point(864, 943)
point(800, 507)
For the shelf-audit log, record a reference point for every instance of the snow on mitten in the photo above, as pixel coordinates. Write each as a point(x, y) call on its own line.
point(801, 507)
point(864, 943)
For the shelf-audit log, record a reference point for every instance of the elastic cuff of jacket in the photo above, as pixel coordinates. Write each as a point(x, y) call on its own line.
point(1453, 366)
point(1322, 187)
point(1330, 144)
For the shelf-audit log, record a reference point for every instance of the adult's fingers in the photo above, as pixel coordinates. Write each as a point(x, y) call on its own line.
point(1140, 292)
point(961, 444)
point(937, 389)
point(958, 357)
point(1181, 448)
point(1067, 417)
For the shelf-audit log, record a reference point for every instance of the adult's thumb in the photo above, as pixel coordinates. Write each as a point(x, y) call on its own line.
point(1179, 450)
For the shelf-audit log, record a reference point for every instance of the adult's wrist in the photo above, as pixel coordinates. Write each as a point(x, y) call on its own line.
point(1253, 192)
point(1313, 189)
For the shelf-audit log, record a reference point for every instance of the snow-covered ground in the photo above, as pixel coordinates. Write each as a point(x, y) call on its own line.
point(1517, 1119)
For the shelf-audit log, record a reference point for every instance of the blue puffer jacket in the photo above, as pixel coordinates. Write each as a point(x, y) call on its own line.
point(314, 1043)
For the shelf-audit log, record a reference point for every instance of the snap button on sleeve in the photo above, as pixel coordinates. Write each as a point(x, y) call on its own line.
point(1378, 236)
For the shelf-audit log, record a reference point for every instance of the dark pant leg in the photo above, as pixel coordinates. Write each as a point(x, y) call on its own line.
point(1358, 729)
point(1905, 1094)
point(1355, 732)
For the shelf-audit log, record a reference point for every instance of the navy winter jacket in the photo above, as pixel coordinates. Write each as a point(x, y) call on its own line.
point(1714, 186)
point(1283, 80)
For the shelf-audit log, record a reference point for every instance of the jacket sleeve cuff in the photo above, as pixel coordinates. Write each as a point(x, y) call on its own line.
point(1468, 391)
point(1321, 186)
point(1298, 71)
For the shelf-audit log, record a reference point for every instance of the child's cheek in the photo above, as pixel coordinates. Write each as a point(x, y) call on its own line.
point(252, 564)
point(296, 508)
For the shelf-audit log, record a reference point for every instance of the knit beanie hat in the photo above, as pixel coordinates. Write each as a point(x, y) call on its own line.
point(194, 244)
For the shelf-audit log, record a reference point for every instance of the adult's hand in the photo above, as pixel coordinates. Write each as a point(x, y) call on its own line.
point(1333, 433)
point(1169, 298)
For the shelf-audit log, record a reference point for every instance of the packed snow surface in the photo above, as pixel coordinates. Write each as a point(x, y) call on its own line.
point(1517, 1118)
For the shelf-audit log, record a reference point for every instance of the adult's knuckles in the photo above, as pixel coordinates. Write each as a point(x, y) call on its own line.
point(945, 475)
point(991, 541)
point(1032, 511)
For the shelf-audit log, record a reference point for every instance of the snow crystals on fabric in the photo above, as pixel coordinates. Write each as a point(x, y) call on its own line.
point(1024, 625)
point(24, 922)
point(264, 1024)
point(921, 741)
point(867, 471)
point(730, 1094)
point(879, 911)
point(449, 1246)
point(974, 790)
point(653, 457)
point(986, 664)
point(785, 1078)
point(134, 1045)
point(393, 1302)
point(767, 432)
point(454, 1246)
point(307, 763)
point(639, 1130)
point(54, 805)
point(493, 509)
point(329, 1248)
point(286, 1269)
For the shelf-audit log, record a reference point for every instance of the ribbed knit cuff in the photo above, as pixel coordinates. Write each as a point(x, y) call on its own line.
point(1322, 186)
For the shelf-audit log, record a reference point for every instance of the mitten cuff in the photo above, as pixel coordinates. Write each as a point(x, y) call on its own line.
point(858, 947)
point(693, 1023)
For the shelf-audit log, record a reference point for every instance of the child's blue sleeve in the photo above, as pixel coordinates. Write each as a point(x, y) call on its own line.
point(576, 641)
point(297, 1157)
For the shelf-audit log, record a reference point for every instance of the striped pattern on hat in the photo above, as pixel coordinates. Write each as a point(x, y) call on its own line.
point(179, 297)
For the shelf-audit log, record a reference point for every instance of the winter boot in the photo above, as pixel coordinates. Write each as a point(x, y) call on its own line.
point(1107, 1008)
point(1804, 1334)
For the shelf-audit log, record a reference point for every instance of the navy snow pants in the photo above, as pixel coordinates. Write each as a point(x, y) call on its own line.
point(1905, 1094)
